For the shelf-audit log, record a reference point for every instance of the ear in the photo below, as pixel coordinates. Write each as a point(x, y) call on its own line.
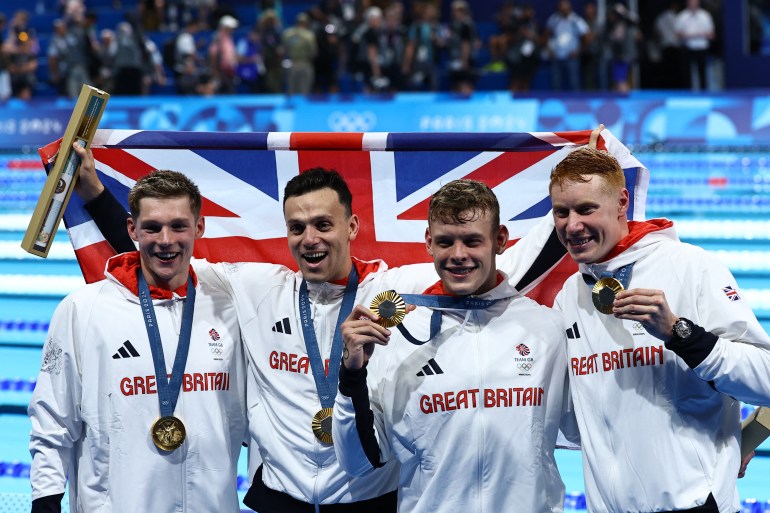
point(353, 226)
point(502, 239)
point(131, 226)
point(200, 227)
point(428, 241)
point(623, 203)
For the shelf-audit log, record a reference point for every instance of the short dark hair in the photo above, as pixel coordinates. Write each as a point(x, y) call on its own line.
point(318, 178)
point(462, 201)
point(164, 184)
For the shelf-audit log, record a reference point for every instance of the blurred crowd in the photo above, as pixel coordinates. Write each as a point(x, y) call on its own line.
point(376, 46)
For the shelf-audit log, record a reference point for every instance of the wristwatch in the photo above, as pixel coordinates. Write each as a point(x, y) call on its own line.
point(682, 329)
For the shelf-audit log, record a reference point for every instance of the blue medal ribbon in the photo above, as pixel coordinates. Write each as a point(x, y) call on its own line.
point(444, 302)
point(168, 389)
point(326, 384)
point(623, 275)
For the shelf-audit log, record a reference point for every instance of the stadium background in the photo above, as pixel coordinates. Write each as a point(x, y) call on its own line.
point(708, 153)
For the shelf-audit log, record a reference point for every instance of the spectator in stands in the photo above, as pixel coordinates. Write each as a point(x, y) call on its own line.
point(250, 66)
point(129, 61)
point(154, 72)
point(463, 45)
point(669, 69)
point(565, 33)
point(90, 19)
point(223, 59)
point(394, 34)
point(500, 42)
point(522, 55)
point(300, 46)
point(272, 51)
point(623, 38)
point(592, 57)
point(328, 33)
point(182, 45)
point(21, 48)
point(69, 55)
point(425, 40)
point(371, 52)
point(695, 28)
point(107, 47)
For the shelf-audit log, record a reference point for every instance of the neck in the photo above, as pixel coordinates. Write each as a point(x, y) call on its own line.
point(344, 271)
point(170, 285)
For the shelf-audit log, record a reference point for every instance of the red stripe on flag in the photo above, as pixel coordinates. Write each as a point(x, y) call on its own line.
point(135, 168)
point(493, 173)
point(545, 291)
point(244, 249)
point(327, 141)
point(93, 259)
point(355, 168)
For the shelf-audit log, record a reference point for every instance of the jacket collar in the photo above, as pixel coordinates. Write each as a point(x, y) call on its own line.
point(122, 268)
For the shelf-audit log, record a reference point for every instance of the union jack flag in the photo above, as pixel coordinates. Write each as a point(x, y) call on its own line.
point(731, 293)
point(391, 176)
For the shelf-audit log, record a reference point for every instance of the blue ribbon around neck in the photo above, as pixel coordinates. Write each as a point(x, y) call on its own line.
point(444, 302)
point(168, 389)
point(326, 384)
point(623, 275)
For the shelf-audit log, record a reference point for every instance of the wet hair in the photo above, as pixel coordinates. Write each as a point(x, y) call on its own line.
point(583, 163)
point(463, 201)
point(316, 179)
point(164, 184)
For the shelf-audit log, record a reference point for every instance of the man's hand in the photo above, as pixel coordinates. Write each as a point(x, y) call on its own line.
point(649, 307)
point(593, 139)
point(745, 463)
point(359, 335)
point(88, 186)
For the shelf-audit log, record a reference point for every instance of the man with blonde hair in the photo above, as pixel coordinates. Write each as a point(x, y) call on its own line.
point(662, 348)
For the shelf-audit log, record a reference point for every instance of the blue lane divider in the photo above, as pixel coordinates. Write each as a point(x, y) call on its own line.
point(17, 385)
point(22, 325)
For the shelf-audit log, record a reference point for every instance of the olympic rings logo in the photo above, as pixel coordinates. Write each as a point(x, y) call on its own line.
point(525, 366)
point(352, 121)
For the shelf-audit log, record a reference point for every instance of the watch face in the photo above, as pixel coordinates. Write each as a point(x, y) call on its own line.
point(682, 328)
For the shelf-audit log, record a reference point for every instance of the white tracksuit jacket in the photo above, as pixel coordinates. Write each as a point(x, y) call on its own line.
point(656, 435)
point(96, 399)
point(282, 396)
point(472, 415)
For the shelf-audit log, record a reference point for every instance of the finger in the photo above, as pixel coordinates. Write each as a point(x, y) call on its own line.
point(360, 312)
point(593, 139)
point(366, 331)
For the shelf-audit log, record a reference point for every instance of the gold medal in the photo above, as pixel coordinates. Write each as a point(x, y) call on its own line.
point(390, 307)
point(168, 433)
point(322, 425)
point(604, 292)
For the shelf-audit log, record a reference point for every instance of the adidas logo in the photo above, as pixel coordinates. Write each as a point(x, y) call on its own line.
point(282, 326)
point(127, 350)
point(430, 369)
point(573, 331)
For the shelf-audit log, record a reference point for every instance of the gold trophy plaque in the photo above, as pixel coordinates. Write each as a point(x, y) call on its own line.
point(755, 430)
point(61, 180)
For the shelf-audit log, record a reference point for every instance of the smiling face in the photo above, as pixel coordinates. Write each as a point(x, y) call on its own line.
point(464, 253)
point(590, 217)
point(319, 232)
point(165, 229)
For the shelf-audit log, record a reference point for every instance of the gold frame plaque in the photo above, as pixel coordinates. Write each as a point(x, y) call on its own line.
point(58, 186)
point(755, 430)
